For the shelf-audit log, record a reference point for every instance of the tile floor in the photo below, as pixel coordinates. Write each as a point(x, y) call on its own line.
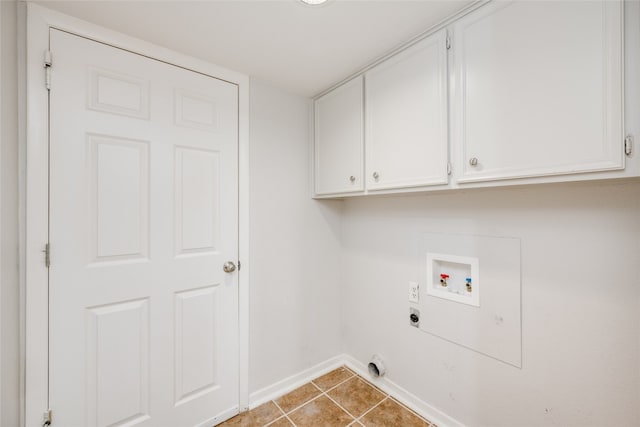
point(338, 399)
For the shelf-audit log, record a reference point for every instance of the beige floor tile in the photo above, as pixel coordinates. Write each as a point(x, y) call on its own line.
point(333, 378)
point(356, 396)
point(306, 408)
point(297, 397)
point(321, 412)
point(257, 417)
point(391, 414)
point(281, 422)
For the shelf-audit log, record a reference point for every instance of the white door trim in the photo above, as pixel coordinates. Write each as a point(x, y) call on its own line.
point(35, 193)
point(1, 286)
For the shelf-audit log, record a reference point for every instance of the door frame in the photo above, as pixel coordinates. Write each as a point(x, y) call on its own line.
point(35, 193)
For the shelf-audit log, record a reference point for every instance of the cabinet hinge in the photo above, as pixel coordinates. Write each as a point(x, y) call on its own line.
point(448, 42)
point(448, 168)
point(628, 145)
point(47, 417)
point(47, 69)
point(239, 265)
point(47, 255)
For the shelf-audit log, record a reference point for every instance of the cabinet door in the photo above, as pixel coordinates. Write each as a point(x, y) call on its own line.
point(406, 117)
point(538, 89)
point(338, 140)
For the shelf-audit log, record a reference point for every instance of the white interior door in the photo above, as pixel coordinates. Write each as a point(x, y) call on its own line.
point(143, 215)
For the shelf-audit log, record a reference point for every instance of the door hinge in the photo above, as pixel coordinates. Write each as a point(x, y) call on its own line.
point(628, 145)
point(47, 255)
point(448, 168)
point(47, 69)
point(47, 417)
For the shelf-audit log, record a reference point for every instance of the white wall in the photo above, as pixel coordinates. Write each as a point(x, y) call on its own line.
point(580, 303)
point(9, 288)
point(329, 277)
point(295, 247)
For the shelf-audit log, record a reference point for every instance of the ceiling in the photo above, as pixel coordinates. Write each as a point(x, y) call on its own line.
point(298, 48)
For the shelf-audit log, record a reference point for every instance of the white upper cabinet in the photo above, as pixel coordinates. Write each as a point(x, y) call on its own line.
point(537, 90)
point(406, 117)
point(513, 92)
point(339, 141)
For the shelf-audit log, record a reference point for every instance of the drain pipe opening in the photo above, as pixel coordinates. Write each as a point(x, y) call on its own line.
point(376, 366)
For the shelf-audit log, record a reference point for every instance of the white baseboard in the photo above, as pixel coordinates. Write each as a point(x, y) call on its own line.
point(403, 396)
point(286, 385)
point(394, 390)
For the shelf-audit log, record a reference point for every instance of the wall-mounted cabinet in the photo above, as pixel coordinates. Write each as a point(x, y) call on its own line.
point(528, 91)
point(338, 152)
point(406, 117)
point(539, 89)
point(406, 125)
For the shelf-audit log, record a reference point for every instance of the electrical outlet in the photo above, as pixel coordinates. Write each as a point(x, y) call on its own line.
point(414, 317)
point(414, 295)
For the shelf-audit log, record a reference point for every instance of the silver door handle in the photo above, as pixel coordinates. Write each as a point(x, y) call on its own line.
point(229, 267)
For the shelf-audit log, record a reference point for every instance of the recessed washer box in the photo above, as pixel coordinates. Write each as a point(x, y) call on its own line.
point(453, 277)
point(493, 327)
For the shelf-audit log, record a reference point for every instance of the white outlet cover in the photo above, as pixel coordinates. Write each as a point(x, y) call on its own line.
point(414, 292)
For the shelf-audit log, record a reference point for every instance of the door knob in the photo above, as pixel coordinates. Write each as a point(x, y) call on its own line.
point(229, 267)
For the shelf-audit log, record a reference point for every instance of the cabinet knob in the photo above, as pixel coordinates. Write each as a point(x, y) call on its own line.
point(473, 161)
point(352, 178)
point(376, 175)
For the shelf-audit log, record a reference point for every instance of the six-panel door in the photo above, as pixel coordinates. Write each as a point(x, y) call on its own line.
point(143, 215)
